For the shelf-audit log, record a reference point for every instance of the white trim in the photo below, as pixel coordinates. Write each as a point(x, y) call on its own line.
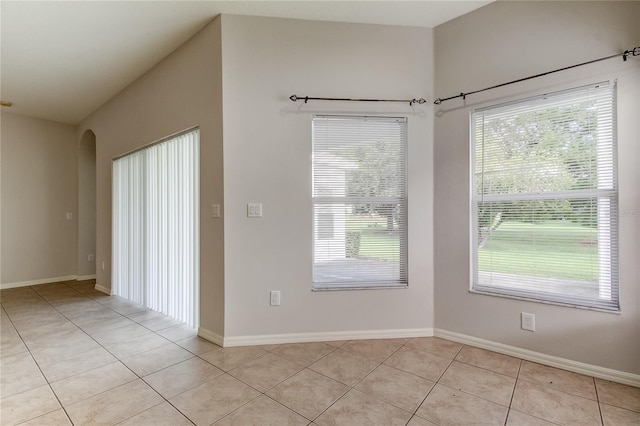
point(103, 289)
point(550, 360)
point(210, 336)
point(271, 339)
point(85, 277)
point(37, 282)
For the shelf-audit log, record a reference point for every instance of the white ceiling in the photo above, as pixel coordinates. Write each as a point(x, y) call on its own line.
point(61, 60)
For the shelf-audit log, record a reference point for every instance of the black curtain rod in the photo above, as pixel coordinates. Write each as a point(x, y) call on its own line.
point(306, 99)
point(633, 52)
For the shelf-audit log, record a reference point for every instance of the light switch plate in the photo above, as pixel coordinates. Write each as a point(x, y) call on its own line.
point(254, 210)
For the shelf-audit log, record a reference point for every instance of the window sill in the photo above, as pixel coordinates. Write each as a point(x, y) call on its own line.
point(617, 311)
point(361, 287)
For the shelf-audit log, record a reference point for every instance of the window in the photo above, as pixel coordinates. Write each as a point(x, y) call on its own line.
point(156, 227)
point(359, 202)
point(544, 198)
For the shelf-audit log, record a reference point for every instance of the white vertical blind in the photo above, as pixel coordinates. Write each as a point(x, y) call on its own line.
point(545, 198)
point(156, 227)
point(359, 201)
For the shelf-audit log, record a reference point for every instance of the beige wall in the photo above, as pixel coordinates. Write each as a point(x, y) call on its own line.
point(502, 42)
point(267, 159)
point(38, 189)
point(86, 205)
point(182, 91)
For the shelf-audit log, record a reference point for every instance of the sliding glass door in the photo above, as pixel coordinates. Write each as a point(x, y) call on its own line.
point(156, 227)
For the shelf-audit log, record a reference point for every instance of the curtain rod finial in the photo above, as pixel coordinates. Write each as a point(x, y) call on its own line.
point(294, 98)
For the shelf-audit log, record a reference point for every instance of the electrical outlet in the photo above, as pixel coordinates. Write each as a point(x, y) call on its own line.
point(215, 210)
point(275, 298)
point(528, 321)
point(91, 258)
point(69, 216)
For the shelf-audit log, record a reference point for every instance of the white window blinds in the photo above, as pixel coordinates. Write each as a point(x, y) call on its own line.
point(544, 198)
point(156, 227)
point(359, 202)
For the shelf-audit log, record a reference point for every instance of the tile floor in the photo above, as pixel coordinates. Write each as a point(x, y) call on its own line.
point(72, 355)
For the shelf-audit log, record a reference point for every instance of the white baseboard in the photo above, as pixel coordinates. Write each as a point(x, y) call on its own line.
point(85, 277)
point(272, 339)
point(210, 336)
point(540, 358)
point(103, 289)
point(37, 282)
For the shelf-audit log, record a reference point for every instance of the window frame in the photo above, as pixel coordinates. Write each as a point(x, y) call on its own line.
point(612, 222)
point(326, 200)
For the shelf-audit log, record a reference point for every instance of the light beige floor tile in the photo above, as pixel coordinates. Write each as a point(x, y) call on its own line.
point(114, 405)
point(265, 372)
point(158, 322)
point(181, 377)
point(114, 321)
point(157, 359)
point(396, 387)
point(419, 421)
point(554, 406)
point(212, 400)
point(19, 373)
point(25, 314)
point(63, 350)
point(557, 379)
point(79, 307)
point(304, 354)
point(85, 385)
point(493, 361)
point(48, 331)
point(95, 294)
point(12, 345)
point(308, 393)
point(128, 347)
point(344, 366)
point(614, 416)
point(31, 322)
point(55, 418)
point(62, 337)
point(516, 418)
point(230, 358)
point(120, 334)
point(482, 383)
point(77, 363)
point(161, 415)
point(451, 407)
point(263, 411)
point(356, 408)
point(337, 343)
point(28, 405)
point(417, 362)
point(178, 332)
point(197, 345)
point(378, 350)
point(145, 315)
point(435, 346)
point(623, 396)
point(121, 305)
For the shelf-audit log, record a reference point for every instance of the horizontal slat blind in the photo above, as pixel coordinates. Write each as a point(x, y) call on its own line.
point(359, 201)
point(545, 198)
point(156, 227)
